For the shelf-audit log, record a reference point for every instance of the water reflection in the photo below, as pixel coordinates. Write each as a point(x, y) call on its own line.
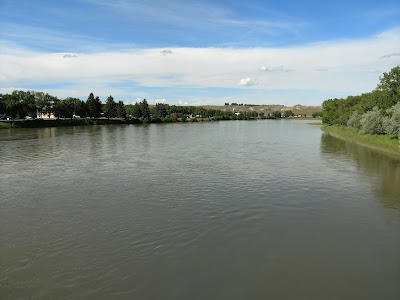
point(383, 171)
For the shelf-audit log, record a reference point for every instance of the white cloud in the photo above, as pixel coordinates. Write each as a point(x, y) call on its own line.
point(247, 82)
point(348, 63)
point(157, 101)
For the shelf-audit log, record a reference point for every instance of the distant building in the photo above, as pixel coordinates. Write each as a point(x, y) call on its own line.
point(45, 116)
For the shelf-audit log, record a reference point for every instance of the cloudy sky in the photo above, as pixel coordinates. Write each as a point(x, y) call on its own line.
point(198, 52)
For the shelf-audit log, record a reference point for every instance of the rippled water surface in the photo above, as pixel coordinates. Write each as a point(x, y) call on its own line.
point(221, 210)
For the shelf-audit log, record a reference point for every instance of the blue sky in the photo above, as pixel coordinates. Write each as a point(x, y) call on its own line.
point(198, 52)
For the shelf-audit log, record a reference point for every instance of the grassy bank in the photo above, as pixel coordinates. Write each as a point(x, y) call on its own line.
point(389, 144)
point(6, 125)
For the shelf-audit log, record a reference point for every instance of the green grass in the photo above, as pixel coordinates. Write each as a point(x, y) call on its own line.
point(6, 125)
point(386, 143)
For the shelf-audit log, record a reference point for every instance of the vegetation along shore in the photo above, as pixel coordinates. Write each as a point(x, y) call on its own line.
point(38, 109)
point(371, 119)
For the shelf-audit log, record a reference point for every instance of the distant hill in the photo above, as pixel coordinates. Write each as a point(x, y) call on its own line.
point(297, 109)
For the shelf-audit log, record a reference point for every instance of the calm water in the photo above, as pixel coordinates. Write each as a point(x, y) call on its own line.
point(224, 210)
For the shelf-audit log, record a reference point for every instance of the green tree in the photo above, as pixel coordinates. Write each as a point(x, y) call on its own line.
point(390, 84)
point(121, 111)
point(90, 102)
point(136, 111)
point(73, 106)
point(288, 114)
point(145, 110)
point(59, 108)
point(276, 114)
point(43, 103)
point(13, 104)
point(110, 110)
point(317, 114)
point(28, 103)
point(93, 106)
point(160, 110)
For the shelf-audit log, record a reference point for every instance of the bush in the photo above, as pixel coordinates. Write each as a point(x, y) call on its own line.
point(391, 122)
point(371, 122)
point(354, 120)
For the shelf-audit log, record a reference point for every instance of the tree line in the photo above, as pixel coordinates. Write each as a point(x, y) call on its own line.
point(32, 104)
point(376, 112)
point(20, 104)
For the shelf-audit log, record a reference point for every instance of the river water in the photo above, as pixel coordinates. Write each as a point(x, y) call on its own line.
point(218, 210)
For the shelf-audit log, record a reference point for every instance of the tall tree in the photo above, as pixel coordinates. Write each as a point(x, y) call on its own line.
point(390, 83)
point(93, 106)
point(110, 110)
point(98, 109)
point(59, 108)
point(43, 104)
point(161, 110)
point(136, 111)
point(144, 107)
point(121, 111)
point(28, 103)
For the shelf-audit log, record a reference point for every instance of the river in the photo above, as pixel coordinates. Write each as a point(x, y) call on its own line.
point(217, 210)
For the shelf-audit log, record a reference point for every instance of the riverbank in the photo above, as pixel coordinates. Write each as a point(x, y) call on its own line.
point(389, 144)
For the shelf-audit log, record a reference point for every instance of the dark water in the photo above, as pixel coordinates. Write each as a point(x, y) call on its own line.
point(224, 210)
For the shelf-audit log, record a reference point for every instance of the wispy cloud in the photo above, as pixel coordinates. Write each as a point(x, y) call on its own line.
point(390, 55)
point(274, 69)
point(205, 16)
point(166, 52)
point(70, 55)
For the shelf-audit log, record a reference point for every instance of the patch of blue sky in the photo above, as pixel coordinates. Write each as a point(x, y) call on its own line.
point(188, 24)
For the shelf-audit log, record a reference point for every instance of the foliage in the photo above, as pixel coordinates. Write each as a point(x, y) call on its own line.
point(110, 110)
point(317, 114)
point(93, 106)
point(354, 120)
point(391, 122)
point(276, 114)
point(390, 84)
point(121, 111)
point(368, 111)
point(288, 114)
point(372, 122)
point(144, 109)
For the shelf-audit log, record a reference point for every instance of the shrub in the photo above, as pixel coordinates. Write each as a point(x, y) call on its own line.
point(371, 122)
point(391, 122)
point(354, 120)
